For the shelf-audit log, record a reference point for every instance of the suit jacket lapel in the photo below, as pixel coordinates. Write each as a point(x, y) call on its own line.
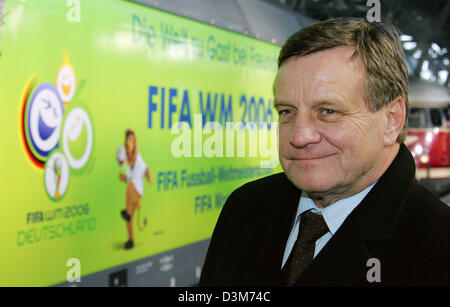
point(272, 231)
point(344, 258)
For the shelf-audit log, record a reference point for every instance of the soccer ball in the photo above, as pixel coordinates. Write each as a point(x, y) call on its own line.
point(121, 155)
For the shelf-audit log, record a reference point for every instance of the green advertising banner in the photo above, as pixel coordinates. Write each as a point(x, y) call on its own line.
point(195, 99)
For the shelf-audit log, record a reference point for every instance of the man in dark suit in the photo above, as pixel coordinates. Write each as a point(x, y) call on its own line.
point(346, 210)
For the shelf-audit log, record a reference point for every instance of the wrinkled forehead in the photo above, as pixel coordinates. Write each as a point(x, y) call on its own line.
point(337, 67)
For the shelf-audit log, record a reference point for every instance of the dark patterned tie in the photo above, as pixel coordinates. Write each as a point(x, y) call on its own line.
point(312, 227)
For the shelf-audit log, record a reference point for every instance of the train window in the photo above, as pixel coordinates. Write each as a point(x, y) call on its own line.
point(436, 117)
point(417, 118)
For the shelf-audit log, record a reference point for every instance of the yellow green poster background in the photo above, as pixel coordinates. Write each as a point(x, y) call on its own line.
point(70, 88)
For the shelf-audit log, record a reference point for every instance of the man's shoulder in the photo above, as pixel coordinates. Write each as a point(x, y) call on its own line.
point(266, 188)
point(426, 214)
point(425, 202)
point(260, 194)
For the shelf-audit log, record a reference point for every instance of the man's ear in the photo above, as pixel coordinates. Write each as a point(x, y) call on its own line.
point(395, 120)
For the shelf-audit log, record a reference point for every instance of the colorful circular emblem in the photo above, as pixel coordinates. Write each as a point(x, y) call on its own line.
point(56, 175)
point(45, 114)
point(77, 138)
point(57, 138)
point(66, 83)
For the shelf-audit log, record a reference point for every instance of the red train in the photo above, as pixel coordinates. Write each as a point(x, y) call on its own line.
point(428, 134)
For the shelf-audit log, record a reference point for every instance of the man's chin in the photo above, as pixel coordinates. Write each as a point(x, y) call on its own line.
point(311, 183)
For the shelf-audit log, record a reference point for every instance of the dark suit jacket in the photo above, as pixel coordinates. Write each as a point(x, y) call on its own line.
point(401, 224)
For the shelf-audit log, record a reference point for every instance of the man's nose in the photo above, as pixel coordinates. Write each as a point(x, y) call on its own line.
point(304, 132)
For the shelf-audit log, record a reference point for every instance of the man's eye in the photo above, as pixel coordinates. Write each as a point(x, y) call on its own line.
point(328, 111)
point(284, 112)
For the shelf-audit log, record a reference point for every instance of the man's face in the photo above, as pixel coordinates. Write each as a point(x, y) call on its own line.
point(330, 142)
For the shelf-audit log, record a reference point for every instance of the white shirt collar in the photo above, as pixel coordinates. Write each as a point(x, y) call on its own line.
point(336, 213)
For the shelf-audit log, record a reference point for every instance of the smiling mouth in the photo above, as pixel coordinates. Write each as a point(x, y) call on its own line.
point(312, 158)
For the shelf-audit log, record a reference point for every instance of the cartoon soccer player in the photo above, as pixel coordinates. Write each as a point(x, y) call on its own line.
point(137, 169)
